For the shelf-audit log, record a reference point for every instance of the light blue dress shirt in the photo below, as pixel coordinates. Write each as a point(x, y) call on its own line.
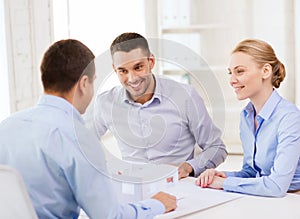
point(63, 165)
point(271, 164)
point(163, 130)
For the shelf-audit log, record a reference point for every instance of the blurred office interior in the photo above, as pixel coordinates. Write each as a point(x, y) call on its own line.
point(209, 29)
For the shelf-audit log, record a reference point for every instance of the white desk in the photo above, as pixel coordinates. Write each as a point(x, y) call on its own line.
point(247, 207)
point(252, 207)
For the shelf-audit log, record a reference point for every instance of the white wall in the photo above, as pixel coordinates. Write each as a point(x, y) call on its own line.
point(4, 88)
point(28, 34)
point(297, 49)
point(273, 21)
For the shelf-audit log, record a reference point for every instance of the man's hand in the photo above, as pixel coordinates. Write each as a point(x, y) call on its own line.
point(184, 170)
point(169, 201)
point(211, 178)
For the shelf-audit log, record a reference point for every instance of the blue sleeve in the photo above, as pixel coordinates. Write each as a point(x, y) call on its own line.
point(147, 209)
point(246, 172)
point(277, 183)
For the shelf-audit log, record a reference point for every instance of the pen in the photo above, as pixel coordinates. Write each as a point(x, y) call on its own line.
point(180, 198)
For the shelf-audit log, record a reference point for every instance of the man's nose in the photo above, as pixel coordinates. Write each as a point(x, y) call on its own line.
point(132, 76)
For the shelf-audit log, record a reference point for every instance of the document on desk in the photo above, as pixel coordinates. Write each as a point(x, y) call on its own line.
point(192, 198)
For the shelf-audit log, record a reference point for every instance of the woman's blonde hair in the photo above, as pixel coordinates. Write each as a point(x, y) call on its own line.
point(263, 53)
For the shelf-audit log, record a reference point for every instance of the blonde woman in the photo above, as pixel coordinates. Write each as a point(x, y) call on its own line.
point(269, 127)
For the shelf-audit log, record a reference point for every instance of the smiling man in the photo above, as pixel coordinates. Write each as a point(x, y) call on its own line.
point(155, 120)
point(134, 72)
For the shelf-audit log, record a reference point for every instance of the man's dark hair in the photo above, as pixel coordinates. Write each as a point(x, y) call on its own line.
point(64, 63)
point(129, 41)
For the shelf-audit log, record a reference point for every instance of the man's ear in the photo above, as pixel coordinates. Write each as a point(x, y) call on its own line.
point(151, 61)
point(267, 71)
point(82, 84)
point(114, 68)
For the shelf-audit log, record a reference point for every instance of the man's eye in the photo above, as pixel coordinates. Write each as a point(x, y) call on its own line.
point(122, 71)
point(139, 67)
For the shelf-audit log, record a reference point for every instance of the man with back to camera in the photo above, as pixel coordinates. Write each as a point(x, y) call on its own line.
point(155, 120)
point(46, 144)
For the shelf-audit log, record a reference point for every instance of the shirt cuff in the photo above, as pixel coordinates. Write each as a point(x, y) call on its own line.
point(156, 207)
point(229, 174)
point(196, 171)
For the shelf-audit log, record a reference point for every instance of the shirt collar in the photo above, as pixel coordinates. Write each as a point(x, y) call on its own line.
point(62, 104)
point(268, 107)
point(157, 94)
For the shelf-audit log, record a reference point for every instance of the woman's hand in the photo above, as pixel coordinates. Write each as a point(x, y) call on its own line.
point(211, 178)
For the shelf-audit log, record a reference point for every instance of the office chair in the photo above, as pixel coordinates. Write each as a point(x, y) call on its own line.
point(14, 199)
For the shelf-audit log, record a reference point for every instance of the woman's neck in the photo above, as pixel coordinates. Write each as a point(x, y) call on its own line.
point(260, 99)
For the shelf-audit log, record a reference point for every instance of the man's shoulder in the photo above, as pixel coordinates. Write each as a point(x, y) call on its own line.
point(169, 82)
point(108, 99)
point(174, 87)
point(36, 120)
point(110, 94)
point(24, 114)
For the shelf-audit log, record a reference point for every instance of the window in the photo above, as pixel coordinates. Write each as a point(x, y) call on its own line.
point(96, 23)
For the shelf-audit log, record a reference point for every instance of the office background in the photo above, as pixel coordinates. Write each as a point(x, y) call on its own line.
point(209, 28)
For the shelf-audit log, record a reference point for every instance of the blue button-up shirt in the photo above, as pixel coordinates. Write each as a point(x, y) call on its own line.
point(271, 164)
point(162, 130)
point(62, 164)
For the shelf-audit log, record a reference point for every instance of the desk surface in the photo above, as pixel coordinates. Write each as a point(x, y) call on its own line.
point(248, 207)
point(251, 207)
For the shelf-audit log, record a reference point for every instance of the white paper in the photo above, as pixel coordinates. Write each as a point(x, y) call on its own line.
point(192, 198)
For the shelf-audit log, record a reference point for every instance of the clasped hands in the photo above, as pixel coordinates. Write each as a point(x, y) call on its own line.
point(210, 178)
